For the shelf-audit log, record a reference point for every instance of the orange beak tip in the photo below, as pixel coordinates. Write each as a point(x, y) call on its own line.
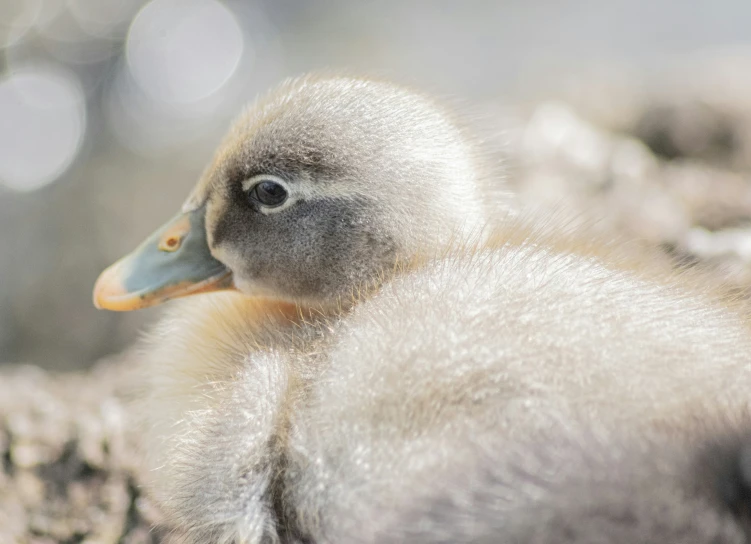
point(111, 294)
point(109, 288)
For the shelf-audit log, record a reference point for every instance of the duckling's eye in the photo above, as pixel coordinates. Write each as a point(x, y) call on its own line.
point(268, 193)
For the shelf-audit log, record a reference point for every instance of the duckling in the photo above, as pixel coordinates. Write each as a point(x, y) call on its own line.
point(393, 317)
point(310, 198)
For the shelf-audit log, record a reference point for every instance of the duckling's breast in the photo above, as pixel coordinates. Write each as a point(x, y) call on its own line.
point(223, 374)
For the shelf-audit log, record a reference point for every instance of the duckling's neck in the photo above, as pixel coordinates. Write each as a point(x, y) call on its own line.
point(258, 310)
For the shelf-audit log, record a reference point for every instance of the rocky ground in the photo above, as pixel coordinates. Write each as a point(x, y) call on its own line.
point(69, 464)
point(668, 162)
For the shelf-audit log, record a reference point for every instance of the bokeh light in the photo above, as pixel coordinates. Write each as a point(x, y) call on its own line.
point(187, 67)
point(42, 126)
point(181, 51)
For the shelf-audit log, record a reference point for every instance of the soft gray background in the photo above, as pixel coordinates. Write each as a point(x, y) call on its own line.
point(110, 108)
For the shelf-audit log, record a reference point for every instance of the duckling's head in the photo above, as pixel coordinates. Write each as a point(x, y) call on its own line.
point(317, 189)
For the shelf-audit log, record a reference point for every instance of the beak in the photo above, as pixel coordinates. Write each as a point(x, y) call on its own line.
point(173, 262)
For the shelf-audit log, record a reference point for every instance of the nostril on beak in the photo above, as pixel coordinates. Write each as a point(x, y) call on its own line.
point(170, 243)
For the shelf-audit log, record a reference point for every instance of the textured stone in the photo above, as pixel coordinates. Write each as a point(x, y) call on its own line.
point(69, 464)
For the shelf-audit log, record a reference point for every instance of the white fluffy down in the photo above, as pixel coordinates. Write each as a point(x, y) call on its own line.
point(269, 422)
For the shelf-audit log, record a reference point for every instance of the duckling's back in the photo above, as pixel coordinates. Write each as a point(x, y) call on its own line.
point(475, 351)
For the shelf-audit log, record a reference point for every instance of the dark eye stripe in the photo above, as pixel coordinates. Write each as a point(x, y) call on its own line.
point(268, 193)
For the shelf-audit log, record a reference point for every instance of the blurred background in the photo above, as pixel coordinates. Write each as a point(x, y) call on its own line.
point(109, 109)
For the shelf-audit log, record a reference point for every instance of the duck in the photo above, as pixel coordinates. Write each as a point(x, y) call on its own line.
point(377, 318)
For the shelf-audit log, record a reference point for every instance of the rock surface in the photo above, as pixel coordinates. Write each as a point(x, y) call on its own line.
point(69, 464)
